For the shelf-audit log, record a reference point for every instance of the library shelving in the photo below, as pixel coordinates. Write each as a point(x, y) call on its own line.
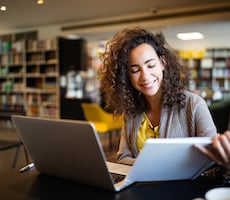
point(210, 72)
point(29, 77)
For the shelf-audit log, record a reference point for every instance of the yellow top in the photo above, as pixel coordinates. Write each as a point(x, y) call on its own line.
point(146, 131)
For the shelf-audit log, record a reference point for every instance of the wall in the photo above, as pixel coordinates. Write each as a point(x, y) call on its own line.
point(216, 31)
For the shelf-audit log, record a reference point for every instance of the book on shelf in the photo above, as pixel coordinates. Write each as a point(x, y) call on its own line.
point(206, 63)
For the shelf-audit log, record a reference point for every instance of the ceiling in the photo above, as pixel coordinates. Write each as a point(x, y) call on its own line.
point(102, 18)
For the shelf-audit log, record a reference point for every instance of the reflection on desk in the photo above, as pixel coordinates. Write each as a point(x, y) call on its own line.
point(31, 185)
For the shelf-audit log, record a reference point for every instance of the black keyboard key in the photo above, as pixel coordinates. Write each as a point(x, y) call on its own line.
point(117, 177)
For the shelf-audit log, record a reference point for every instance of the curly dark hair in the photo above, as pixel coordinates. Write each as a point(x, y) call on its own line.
point(120, 96)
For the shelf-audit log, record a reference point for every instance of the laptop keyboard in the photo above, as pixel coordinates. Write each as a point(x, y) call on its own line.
point(117, 177)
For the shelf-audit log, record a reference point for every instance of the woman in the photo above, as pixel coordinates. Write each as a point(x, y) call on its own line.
point(143, 80)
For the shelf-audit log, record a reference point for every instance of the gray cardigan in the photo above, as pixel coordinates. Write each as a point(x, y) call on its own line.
point(193, 120)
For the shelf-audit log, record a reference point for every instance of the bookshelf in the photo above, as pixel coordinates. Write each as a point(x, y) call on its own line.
point(29, 77)
point(210, 72)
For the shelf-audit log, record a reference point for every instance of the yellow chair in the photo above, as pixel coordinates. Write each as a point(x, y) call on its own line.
point(103, 121)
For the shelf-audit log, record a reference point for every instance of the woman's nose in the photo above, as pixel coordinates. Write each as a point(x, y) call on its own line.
point(144, 74)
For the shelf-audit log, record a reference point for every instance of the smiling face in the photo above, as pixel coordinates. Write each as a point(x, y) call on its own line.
point(145, 70)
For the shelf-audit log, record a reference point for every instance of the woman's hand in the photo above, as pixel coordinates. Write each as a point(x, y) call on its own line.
point(220, 150)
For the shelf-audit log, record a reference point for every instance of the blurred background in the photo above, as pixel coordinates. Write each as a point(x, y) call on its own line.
point(49, 50)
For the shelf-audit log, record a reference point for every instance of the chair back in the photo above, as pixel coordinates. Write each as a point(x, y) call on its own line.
point(94, 113)
point(221, 114)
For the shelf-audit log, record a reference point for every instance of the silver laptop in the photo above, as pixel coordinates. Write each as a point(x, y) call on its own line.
point(71, 149)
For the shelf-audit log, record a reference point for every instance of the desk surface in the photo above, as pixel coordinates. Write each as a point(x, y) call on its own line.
point(31, 185)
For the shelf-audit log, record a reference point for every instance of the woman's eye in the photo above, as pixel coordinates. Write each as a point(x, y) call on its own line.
point(134, 70)
point(151, 66)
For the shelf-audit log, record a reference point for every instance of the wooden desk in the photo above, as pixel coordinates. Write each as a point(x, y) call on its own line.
point(31, 185)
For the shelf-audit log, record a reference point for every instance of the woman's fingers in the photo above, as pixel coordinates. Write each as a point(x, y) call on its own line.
point(219, 151)
point(207, 151)
point(219, 148)
point(222, 144)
